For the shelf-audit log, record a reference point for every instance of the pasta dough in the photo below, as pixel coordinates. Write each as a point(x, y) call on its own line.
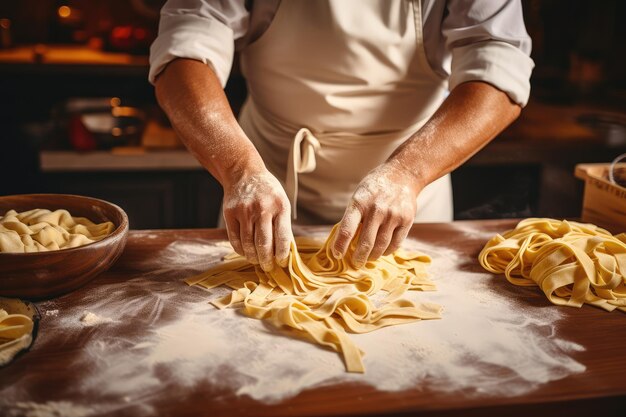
point(573, 263)
point(41, 230)
point(15, 335)
point(321, 298)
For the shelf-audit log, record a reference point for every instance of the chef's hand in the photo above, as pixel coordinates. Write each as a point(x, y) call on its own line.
point(257, 215)
point(385, 203)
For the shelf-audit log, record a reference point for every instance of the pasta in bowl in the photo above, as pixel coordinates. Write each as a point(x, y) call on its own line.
point(51, 244)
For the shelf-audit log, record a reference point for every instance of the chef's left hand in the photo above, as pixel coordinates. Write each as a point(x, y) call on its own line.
point(385, 203)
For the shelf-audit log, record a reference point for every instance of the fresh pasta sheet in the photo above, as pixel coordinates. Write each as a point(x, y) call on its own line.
point(42, 230)
point(15, 335)
point(322, 299)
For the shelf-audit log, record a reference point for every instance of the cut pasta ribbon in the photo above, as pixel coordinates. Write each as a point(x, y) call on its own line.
point(573, 263)
point(15, 335)
point(321, 298)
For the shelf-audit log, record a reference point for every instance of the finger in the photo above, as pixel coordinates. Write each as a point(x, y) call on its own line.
point(398, 237)
point(246, 229)
point(346, 231)
point(232, 229)
point(367, 237)
point(383, 238)
point(282, 238)
point(263, 242)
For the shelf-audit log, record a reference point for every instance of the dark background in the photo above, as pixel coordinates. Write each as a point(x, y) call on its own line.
point(580, 77)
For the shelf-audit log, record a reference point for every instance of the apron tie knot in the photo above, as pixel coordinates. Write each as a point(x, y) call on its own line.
point(301, 160)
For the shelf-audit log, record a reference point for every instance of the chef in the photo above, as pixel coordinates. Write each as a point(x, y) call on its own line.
point(357, 111)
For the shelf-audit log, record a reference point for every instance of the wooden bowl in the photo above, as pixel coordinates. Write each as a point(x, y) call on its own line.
point(39, 275)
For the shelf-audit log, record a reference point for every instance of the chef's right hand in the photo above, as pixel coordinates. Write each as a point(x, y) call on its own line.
point(258, 219)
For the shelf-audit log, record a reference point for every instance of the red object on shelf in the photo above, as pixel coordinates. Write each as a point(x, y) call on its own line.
point(80, 137)
point(130, 38)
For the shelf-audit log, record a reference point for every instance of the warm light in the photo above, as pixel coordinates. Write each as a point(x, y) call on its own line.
point(5, 23)
point(115, 101)
point(64, 11)
point(122, 32)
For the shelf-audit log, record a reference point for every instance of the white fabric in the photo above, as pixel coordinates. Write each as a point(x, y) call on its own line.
point(346, 117)
point(301, 161)
point(458, 38)
point(489, 62)
point(195, 37)
point(432, 202)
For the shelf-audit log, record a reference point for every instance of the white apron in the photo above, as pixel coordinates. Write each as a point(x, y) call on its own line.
point(335, 87)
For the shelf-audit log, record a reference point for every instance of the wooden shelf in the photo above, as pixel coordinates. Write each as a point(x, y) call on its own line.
point(122, 159)
point(70, 59)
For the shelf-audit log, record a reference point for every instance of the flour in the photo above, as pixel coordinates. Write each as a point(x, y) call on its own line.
point(258, 186)
point(186, 256)
point(456, 353)
point(49, 409)
point(466, 230)
point(481, 334)
point(381, 183)
point(223, 244)
point(259, 193)
point(487, 343)
point(382, 194)
point(92, 319)
point(145, 234)
point(52, 313)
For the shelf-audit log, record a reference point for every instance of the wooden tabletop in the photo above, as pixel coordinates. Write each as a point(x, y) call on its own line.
point(68, 366)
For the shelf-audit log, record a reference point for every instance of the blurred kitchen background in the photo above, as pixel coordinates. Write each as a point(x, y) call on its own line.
point(77, 114)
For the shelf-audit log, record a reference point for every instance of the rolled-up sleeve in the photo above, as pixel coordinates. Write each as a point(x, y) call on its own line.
point(488, 42)
point(202, 30)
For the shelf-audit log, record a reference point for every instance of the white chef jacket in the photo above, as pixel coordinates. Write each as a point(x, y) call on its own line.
point(481, 40)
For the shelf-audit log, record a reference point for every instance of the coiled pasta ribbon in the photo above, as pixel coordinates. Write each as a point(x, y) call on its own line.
point(573, 263)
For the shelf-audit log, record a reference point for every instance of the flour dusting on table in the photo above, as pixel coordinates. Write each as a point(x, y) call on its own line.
point(92, 319)
point(49, 409)
point(487, 342)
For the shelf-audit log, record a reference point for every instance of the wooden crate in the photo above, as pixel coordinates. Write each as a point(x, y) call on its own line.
point(604, 203)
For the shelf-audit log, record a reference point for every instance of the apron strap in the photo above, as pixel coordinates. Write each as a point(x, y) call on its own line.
point(301, 160)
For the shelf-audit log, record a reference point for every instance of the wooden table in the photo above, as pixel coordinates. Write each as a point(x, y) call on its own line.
point(48, 372)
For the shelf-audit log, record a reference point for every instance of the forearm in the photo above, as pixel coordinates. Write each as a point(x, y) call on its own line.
point(191, 95)
point(472, 115)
